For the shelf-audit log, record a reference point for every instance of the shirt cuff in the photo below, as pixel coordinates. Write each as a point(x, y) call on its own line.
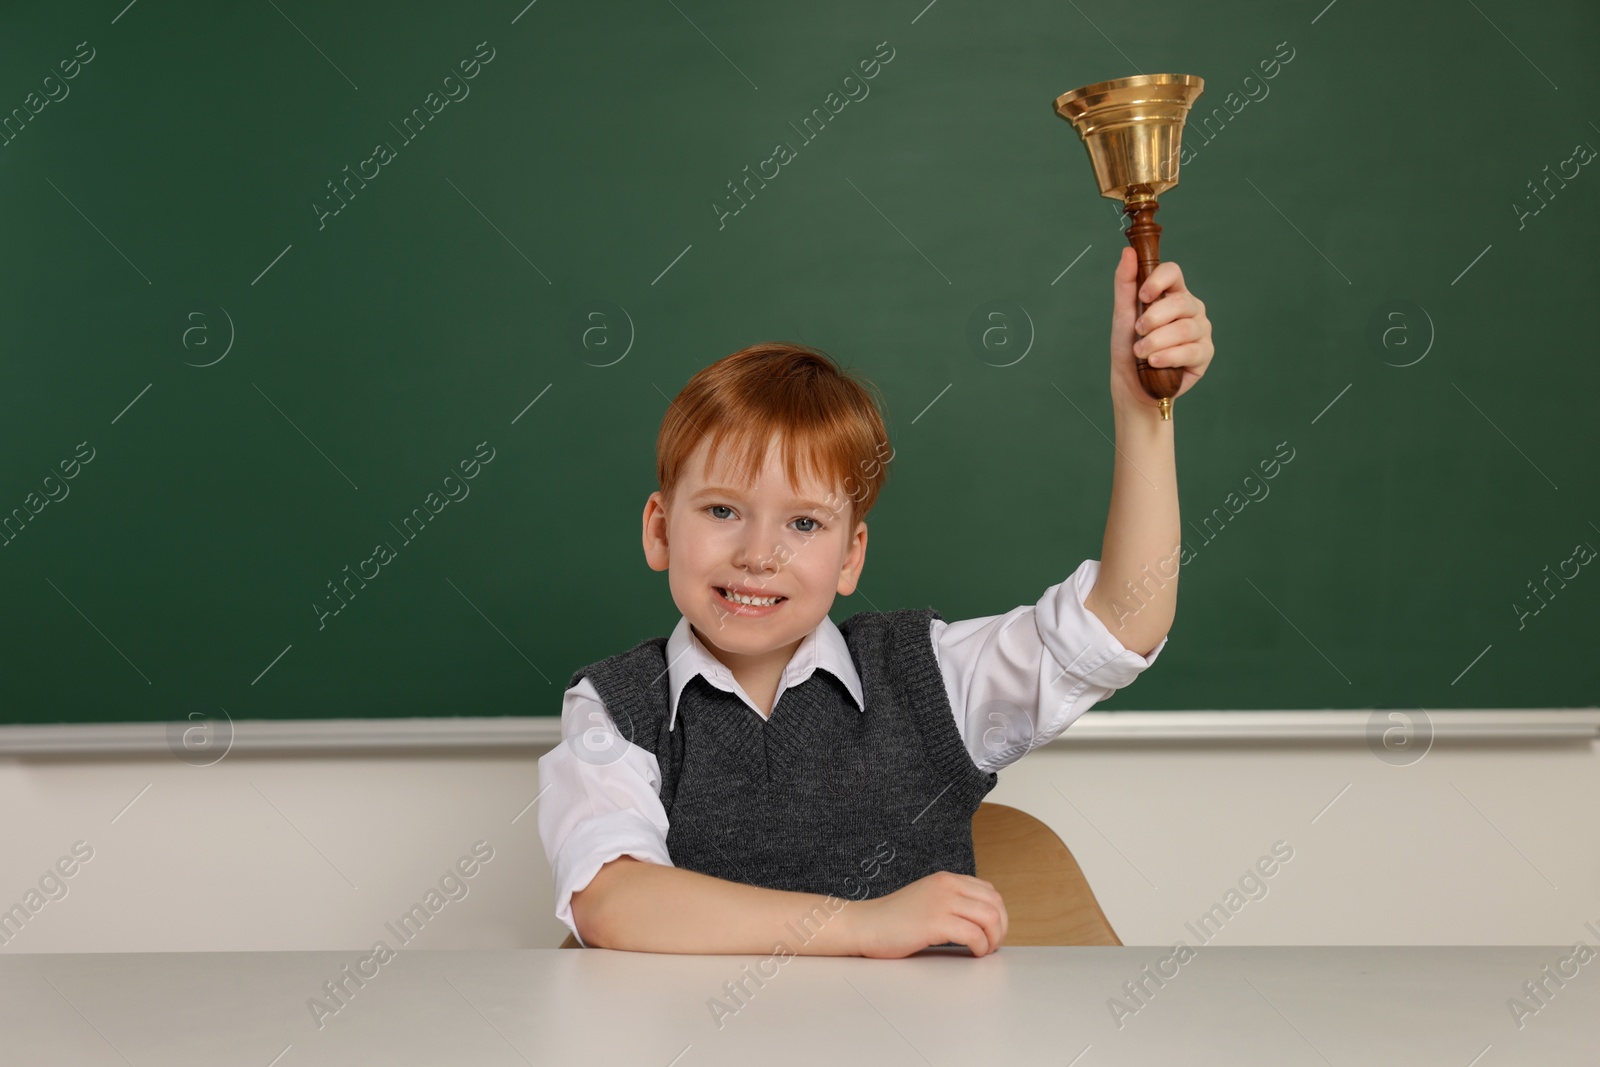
point(1079, 641)
point(596, 841)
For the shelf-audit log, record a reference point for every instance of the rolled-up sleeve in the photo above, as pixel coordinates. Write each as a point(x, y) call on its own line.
point(1017, 680)
point(598, 799)
point(1080, 642)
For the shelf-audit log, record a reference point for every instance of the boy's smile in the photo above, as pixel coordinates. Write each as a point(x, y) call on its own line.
point(750, 602)
point(753, 567)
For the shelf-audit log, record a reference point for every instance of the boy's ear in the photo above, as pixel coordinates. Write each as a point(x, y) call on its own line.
point(655, 532)
point(854, 560)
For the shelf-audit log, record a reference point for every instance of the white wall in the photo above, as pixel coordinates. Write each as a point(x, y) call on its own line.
point(1477, 843)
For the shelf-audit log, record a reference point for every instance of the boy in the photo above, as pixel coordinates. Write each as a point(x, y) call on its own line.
point(761, 767)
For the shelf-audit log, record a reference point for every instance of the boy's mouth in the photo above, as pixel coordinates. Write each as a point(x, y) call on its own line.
point(748, 602)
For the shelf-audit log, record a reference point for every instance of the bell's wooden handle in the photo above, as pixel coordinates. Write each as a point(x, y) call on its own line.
point(1144, 235)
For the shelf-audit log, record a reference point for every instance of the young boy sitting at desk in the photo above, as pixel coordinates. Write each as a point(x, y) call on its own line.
point(763, 771)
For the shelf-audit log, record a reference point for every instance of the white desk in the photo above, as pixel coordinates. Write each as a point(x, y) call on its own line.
point(1411, 1007)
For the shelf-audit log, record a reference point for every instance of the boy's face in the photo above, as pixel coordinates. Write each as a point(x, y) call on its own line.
point(765, 540)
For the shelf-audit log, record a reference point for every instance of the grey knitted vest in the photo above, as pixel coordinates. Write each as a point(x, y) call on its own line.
point(820, 797)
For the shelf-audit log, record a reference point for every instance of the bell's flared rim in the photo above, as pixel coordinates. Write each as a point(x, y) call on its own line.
point(1077, 101)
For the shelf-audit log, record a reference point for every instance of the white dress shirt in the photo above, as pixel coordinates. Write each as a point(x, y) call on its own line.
point(1015, 681)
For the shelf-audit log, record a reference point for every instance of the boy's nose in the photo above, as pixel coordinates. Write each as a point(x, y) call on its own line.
point(758, 553)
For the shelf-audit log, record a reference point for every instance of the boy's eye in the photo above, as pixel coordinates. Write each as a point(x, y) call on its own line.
point(814, 528)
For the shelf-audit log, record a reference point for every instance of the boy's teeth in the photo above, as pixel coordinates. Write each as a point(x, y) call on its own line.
point(752, 601)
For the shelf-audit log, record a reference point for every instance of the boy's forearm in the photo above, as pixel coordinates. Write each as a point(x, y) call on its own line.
point(649, 907)
point(1136, 594)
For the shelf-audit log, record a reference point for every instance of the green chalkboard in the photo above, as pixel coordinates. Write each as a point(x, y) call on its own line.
point(278, 276)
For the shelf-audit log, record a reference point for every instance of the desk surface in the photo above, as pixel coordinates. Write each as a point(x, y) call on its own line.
point(1317, 1006)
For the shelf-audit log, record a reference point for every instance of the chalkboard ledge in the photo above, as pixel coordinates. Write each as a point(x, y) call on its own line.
point(1398, 731)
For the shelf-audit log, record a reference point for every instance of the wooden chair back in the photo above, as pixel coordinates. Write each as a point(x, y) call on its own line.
point(1048, 900)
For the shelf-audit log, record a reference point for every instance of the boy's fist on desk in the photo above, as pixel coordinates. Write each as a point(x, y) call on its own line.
point(1172, 332)
point(941, 908)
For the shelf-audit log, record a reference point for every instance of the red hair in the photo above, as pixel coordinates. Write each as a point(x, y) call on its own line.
point(825, 417)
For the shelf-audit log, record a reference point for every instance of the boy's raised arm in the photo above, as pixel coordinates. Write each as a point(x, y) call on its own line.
point(1136, 592)
point(1136, 595)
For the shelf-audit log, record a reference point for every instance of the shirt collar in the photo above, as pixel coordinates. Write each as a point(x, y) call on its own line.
point(823, 647)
